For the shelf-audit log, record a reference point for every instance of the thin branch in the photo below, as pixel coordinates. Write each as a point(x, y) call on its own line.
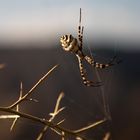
point(33, 88)
point(30, 117)
point(78, 138)
point(61, 122)
point(8, 116)
point(17, 107)
point(63, 135)
point(107, 136)
point(14, 123)
point(48, 123)
point(89, 126)
point(36, 119)
point(45, 122)
point(58, 102)
point(53, 115)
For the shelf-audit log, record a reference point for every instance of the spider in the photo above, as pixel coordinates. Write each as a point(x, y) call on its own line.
point(75, 45)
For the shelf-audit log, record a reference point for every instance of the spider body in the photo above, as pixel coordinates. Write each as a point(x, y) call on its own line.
point(75, 45)
point(70, 44)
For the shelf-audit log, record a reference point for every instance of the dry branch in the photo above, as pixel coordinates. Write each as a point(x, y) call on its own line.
point(63, 132)
point(33, 88)
point(53, 115)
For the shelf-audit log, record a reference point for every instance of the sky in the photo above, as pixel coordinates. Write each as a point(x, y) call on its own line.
point(48, 20)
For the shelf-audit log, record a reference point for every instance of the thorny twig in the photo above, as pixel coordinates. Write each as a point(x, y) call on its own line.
point(33, 88)
point(17, 107)
point(48, 123)
point(53, 115)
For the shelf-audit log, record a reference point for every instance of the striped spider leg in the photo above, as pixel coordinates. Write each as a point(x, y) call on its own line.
point(74, 45)
point(80, 55)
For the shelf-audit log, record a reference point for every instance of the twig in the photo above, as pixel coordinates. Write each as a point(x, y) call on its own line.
point(107, 136)
point(45, 122)
point(17, 107)
point(48, 123)
point(90, 126)
point(63, 135)
point(8, 116)
point(33, 88)
point(53, 115)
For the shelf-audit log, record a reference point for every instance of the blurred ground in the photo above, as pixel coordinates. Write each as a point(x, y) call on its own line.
point(84, 105)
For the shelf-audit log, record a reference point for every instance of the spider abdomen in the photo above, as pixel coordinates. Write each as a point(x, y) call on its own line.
point(69, 43)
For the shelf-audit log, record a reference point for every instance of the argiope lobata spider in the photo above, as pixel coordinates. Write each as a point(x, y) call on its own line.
point(74, 45)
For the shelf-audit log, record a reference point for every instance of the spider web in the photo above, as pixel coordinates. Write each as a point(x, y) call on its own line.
point(103, 92)
point(99, 97)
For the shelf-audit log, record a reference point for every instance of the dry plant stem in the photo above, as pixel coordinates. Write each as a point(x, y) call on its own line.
point(107, 136)
point(89, 126)
point(33, 118)
point(63, 132)
point(17, 107)
point(13, 124)
point(9, 116)
point(53, 115)
point(49, 124)
point(15, 120)
point(33, 88)
point(63, 136)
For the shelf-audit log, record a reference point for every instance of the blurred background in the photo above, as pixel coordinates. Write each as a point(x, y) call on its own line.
point(29, 46)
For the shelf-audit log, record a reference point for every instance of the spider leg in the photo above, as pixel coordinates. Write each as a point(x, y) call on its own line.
point(83, 75)
point(95, 64)
point(80, 31)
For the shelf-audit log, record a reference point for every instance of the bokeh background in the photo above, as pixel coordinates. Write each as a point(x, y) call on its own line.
point(29, 46)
